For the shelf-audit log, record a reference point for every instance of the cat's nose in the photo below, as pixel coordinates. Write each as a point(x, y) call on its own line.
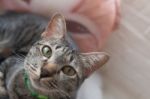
point(48, 70)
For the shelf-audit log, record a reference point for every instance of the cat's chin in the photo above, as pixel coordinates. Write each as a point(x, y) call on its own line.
point(52, 93)
point(41, 87)
point(43, 84)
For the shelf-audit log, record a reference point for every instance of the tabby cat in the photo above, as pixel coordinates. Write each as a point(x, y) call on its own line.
point(53, 67)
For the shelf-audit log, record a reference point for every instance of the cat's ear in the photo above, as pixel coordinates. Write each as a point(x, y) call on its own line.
point(56, 27)
point(93, 61)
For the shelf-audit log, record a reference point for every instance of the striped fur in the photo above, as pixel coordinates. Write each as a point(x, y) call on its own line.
point(20, 31)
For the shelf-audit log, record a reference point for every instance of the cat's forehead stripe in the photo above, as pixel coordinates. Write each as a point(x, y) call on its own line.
point(57, 47)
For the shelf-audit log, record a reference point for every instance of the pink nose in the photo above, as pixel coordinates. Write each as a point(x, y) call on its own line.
point(48, 70)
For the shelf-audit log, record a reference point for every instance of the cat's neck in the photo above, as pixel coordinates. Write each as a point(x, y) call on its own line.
point(20, 88)
point(27, 84)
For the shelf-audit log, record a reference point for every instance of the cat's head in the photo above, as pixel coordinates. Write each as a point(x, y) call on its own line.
point(54, 67)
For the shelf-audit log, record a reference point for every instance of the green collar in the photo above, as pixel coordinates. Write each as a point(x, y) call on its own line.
point(28, 86)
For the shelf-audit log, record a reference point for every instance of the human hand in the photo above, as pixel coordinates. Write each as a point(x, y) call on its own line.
point(15, 5)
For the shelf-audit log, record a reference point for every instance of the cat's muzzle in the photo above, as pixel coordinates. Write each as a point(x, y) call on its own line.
point(48, 71)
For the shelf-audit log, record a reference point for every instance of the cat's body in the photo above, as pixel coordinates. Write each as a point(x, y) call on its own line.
point(39, 67)
point(18, 31)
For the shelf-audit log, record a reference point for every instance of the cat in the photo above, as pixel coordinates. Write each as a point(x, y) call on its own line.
point(52, 69)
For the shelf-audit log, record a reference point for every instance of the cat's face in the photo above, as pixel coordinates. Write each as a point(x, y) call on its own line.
point(54, 67)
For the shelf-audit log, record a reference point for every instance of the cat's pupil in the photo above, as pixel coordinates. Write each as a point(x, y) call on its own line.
point(68, 70)
point(47, 52)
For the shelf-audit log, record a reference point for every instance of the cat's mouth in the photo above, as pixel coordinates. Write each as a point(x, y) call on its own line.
point(46, 79)
point(45, 75)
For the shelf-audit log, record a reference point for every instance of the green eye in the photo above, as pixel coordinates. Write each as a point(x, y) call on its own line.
point(46, 51)
point(68, 70)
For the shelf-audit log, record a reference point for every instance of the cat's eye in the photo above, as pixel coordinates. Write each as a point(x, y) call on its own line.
point(46, 51)
point(68, 70)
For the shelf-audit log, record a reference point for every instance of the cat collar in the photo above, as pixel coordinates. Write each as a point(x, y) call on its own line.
point(28, 86)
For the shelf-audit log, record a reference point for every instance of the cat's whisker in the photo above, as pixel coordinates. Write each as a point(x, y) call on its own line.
point(54, 85)
point(64, 94)
point(50, 85)
point(19, 60)
point(22, 55)
point(19, 55)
